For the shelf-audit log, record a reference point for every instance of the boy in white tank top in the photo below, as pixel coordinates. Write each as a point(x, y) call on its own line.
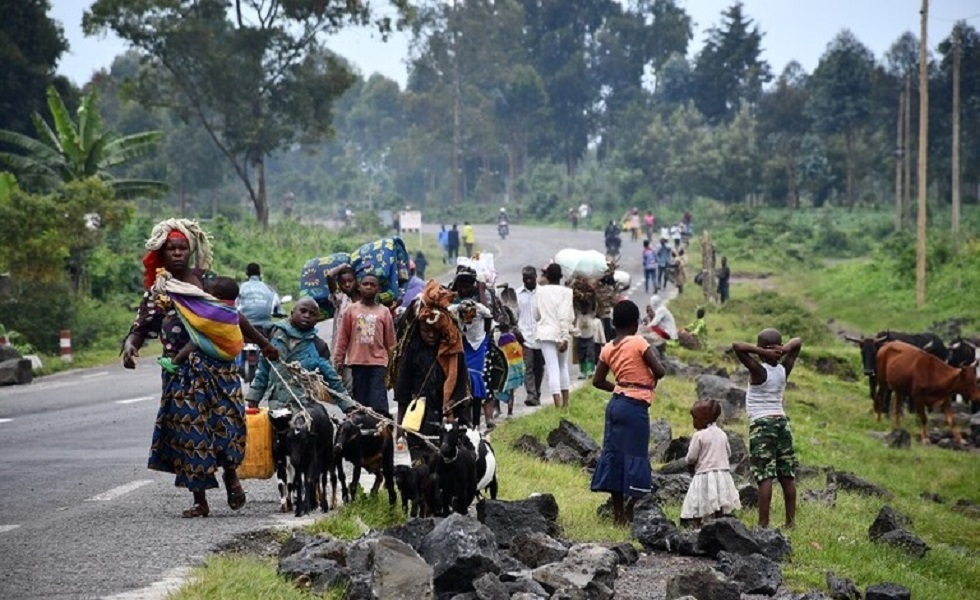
point(771, 454)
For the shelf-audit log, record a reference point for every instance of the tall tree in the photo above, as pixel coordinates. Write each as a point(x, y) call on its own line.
point(254, 73)
point(729, 71)
point(782, 126)
point(839, 101)
point(30, 45)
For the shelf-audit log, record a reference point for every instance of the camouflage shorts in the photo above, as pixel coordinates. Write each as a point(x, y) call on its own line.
point(771, 449)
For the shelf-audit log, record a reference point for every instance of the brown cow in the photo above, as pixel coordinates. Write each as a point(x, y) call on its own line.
point(905, 369)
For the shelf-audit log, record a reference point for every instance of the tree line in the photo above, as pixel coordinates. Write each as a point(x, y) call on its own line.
point(539, 104)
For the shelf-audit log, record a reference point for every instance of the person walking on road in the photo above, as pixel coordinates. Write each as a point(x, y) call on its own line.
point(444, 243)
point(663, 263)
point(527, 334)
point(554, 316)
point(649, 267)
point(257, 300)
point(452, 243)
point(469, 238)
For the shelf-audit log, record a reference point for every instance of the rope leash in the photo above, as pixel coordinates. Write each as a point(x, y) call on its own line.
point(314, 389)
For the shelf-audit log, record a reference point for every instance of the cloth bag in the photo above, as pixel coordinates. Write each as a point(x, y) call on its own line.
point(313, 280)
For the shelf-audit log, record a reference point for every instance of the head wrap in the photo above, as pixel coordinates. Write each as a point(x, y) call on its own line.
point(190, 230)
point(434, 312)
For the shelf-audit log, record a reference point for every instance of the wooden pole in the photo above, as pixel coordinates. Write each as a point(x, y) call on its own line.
point(898, 161)
point(907, 147)
point(708, 284)
point(923, 182)
point(955, 218)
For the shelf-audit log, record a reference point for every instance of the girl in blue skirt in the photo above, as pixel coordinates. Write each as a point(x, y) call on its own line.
point(624, 465)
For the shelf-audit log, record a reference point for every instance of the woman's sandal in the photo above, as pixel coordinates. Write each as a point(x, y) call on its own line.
point(236, 495)
point(198, 510)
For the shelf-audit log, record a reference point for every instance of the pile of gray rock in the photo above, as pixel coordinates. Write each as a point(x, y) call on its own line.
point(568, 443)
point(14, 368)
point(512, 551)
point(890, 527)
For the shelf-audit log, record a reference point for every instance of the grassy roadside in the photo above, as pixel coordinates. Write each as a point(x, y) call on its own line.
point(831, 418)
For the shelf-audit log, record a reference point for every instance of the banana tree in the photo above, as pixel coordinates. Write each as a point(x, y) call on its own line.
point(73, 151)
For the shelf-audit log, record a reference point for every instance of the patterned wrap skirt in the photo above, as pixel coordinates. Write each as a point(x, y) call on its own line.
point(624, 464)
point(200, 425)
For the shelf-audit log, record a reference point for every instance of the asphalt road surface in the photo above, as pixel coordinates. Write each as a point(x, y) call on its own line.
point(80, 514)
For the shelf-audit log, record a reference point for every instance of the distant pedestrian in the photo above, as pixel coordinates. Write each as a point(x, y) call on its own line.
point(469, 238)
point(663, 263)
point(420, 264)
point(527, 335)
point(649, 267)
point(649, 223)
point(634, 224)
point(444, 243)
point(452, 243)
point(724, 277)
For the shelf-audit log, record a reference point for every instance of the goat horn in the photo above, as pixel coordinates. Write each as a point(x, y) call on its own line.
point(852, 339)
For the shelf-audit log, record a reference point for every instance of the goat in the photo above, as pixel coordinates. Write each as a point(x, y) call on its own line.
point(364, 444)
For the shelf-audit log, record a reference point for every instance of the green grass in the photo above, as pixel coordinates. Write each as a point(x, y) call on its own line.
point(237, 577)
point(815, 277)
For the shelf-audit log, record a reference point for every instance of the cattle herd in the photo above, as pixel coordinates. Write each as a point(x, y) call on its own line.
point(309, 447)
point(922, 371)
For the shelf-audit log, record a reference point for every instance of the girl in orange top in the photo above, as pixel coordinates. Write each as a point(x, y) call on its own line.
point(624, 465)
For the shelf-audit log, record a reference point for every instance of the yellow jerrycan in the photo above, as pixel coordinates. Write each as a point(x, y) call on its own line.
point(414, 415)
point(257, 463)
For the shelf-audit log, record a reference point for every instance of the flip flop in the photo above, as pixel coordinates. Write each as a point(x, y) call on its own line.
point(236, 495)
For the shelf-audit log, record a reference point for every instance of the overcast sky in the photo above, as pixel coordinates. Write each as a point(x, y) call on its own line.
point(792, 30)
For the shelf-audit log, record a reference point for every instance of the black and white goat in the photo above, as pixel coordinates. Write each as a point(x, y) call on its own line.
point(466, 465)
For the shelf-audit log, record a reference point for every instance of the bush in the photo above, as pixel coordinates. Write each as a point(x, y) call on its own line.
point(39, 311)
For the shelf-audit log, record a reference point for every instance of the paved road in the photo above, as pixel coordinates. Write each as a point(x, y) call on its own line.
point(82, 517)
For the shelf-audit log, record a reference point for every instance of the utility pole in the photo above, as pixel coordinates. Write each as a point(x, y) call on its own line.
point(923, 182)
point(457, 191)
point(955, 218)
point(899, 151)
point(907, 145)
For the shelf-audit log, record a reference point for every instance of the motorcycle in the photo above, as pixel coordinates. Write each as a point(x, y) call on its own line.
point(613, 246)
point(503, 229)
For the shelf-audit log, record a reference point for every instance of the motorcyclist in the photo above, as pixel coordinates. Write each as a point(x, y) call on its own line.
point(502, 217)
point(257, 300)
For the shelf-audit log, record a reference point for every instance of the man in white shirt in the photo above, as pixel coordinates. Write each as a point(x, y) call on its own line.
point(526, 333)
point(257, 300)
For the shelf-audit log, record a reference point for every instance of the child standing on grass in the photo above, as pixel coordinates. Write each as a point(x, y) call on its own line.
point(624, 464)
point(367, 333)
point(771, 454)
point(712, 492)
point(515, 365)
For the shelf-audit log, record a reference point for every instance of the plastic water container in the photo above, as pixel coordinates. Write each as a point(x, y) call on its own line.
point(257, 463)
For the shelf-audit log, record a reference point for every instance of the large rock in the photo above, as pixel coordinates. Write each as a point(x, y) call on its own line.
point(16, 371)
point(967, 508)
point(842, 588)
point(739, 459)
point(748, 496)
point(536, 549)
point(703, 584)
point(827, 496)
point(460, 550)
point(8, 352)
point(489, 587)
point(412, 531)
point(773, 544)
point(587, 567)
point(905, 540)
point(564, 453)
point(685, 543)
point(651, 527)
point(510, 518)
point(660, 431)
point(385, 568)
point(887, 591)
point(526, 585)
point(626, 553)
point(730, 395)
point(671, 489)
point(852, 483)
point(674, 467)
point(888, 519)
point(727, 534)
point(756, 573)
point(677, 449)
point(531, 445)
point(574, 437)
point(899, 438)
